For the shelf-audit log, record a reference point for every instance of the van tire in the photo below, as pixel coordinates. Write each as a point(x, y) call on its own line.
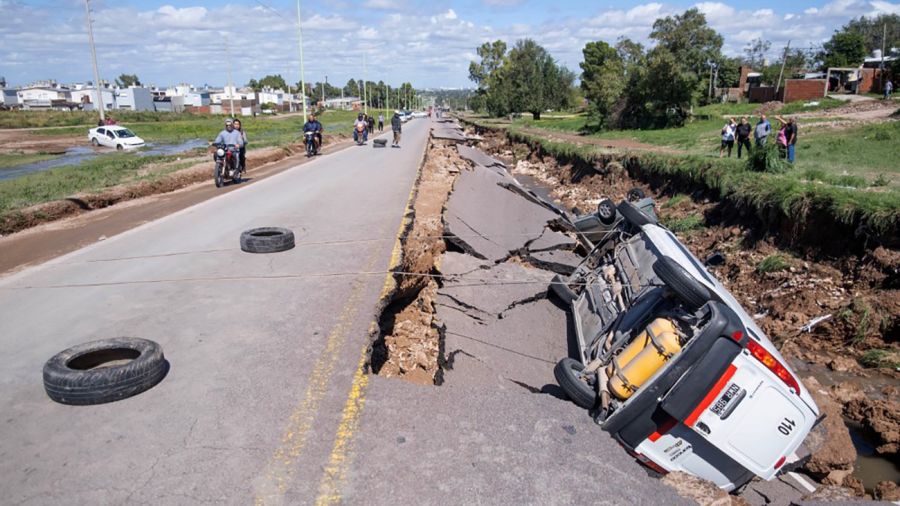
point(267, 240)
point(686, 287)
point(579, 392)
point(606, 211)
point(72, 376)
point(634, 215)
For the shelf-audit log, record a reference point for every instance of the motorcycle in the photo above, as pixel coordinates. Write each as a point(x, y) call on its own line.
point(227, 158)
point(311, 148)
point(359, 135)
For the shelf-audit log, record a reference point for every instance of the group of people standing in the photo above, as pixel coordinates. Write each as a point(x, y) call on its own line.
point(785, 138)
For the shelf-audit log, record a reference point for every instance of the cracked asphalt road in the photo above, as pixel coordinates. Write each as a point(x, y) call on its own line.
point(262, 348)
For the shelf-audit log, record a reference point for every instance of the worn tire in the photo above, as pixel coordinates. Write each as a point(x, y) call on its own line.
point(635, 194)
point(606, 211)
point(693, 293)
point(579, 392)
point(267, 240)
point(72, 376)
point(634, 215)
point(218, 176)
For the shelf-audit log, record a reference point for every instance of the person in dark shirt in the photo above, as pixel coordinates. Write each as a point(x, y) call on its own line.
point(743, 136)
point(790, 134)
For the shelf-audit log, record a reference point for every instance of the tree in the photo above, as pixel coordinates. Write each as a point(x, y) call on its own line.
point(276, 82)
point(491, 54)
point(602, 80)
point(844, 49)
point(690, 40)
point(533, 81)
point(351, 89)
point(660, 92)
point(755, 53)
point(872, 31)
point(126, 80)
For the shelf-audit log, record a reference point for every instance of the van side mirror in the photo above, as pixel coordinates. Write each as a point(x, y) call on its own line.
point(715, 260)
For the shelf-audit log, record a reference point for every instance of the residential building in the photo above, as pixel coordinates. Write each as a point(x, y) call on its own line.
point(10, 97)
point(134, 98)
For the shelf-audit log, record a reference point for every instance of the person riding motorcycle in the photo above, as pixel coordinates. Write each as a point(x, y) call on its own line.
point(230, 135)
point(313, 125)
point(361, 125)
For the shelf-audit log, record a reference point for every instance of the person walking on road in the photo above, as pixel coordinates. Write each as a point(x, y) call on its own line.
point(243, 154)
point(396, 126)
point(380, 122)
point(743, 136)
point(727, 138)
point(888, 88)
point(762, 130)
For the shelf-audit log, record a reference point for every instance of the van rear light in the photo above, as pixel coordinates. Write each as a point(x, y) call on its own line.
point(780, 462)
point(760, 353)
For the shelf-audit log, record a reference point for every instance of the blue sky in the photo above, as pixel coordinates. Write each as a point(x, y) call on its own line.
point(426, 42)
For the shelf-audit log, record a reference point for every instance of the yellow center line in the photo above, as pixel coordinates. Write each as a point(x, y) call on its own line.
point(342, 452)
point(274, 482)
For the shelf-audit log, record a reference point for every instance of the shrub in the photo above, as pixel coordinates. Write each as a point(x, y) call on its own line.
point(767, 158)
point(772, 263)
point(880, 358)
point(686, 224)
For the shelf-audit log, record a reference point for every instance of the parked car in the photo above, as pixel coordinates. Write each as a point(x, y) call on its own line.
point(419, 114)
point(114, 136)
point(669, 362)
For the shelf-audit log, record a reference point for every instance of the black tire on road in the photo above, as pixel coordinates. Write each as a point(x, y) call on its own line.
point(236, 179)
point(685, 286)
point(634, 215)
point(577, 390)
point(218, 176)
point(104, 371)
point(606, 211)
point(267, 240)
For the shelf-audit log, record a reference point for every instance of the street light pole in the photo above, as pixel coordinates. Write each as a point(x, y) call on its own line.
point(90, 27)
point(300, 47)
point(230, 82)
point(365, 90)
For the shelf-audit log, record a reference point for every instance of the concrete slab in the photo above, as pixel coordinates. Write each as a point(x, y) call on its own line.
point(496, 289)
point(488, 220)
point(512, 447)
point(550, 240)
point(558, 261)
point(478, 157)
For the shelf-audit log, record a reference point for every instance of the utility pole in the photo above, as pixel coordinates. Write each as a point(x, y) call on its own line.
point(883, 36)
point(230, 82)
point(387, 97)
point(365, 91)
point(90, 27)
point(300, 47)
point(781, 73)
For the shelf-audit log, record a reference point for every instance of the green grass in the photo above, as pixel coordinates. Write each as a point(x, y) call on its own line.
point(823, 105)
point(683, 225)
point(91, 175)
point(729, 109)
point(772, 197)
point(42, 119)
point(772, 263)
point(880, 358)
point(13, 160)
point(675, 200)
point(868, 152)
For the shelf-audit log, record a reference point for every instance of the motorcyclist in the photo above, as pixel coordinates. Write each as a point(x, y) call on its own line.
point(361, 122)
point(229, 135)
point(313, 125)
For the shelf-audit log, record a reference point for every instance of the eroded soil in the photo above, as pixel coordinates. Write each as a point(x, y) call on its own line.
point(784, 290)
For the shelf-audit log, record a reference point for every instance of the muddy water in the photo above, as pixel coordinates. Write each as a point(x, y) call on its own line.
point(78, 154)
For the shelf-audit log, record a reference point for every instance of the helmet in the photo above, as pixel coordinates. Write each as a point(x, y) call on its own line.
point(360, 116)
point(229, 121)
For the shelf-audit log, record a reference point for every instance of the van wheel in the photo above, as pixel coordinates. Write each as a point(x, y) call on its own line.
point(579, 391)
point(606, 211)
point(634, 215)
point(686, 287)
point(635, 194)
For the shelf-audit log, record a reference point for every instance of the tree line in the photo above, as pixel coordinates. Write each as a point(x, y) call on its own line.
point(627, 85)
point(378, 94)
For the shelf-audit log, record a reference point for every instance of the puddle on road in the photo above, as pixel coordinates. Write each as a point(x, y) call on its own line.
point(79, 154)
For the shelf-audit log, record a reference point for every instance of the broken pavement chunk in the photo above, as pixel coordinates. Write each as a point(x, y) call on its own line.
point(477, 157)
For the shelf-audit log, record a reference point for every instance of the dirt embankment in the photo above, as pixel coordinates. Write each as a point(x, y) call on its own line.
point(855, 349)
point(200, 171)
point(409, 345)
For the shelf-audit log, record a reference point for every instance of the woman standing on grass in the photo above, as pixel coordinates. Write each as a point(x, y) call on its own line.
point(781, 138)
point(727, 137)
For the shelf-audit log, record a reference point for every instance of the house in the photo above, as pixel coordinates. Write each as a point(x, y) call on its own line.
point(10, 98)
point(271, 96)
point(168, 104)
point(134, 98)
point(86, 96)
point(45, 95)
point(345, 103)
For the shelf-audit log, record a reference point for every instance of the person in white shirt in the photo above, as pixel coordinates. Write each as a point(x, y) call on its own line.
point(728, 137)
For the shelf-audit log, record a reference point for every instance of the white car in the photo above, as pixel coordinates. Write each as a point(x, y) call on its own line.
point(114, 136)
point(669, 362)
point(420, 114)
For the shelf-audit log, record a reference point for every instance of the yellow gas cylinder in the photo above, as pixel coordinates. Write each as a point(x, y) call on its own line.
point(643, 357)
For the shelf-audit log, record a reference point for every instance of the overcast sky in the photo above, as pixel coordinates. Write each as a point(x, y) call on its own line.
point(429, 43)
